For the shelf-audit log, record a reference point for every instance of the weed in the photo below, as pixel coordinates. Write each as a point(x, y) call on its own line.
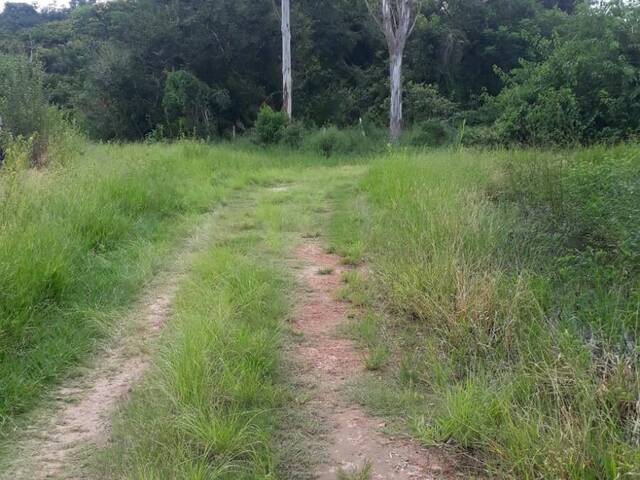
point(361, 473)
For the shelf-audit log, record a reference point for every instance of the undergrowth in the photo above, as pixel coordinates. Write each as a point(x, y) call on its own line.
point(511, 289)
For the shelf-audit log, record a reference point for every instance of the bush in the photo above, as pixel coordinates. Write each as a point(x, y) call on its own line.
point(432, 133)
point(587, 204)
point(424, 102)
point(270, 125)
point(294, 135)
point(584, 89)
point(31, 132)
point(480, 136)
point(331, 141)
point(190, 105)
point(23, 106)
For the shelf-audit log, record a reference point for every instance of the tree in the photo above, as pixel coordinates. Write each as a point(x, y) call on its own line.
point(17, 16)
point(287, 82)
point(396, 19)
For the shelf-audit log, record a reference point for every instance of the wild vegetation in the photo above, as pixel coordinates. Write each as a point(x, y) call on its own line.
point(510, 286)
point(502, 71)
point(497, 307)
point(75, 242)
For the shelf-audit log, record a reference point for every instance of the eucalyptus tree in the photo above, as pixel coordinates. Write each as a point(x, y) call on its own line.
point(396, 19)
point(287, 81)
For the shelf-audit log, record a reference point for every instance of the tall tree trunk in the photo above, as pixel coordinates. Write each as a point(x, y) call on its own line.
point(395, 113)
point(396, 19)
point(287, 82)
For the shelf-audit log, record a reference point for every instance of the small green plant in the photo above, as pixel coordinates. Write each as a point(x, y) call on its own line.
point(360, 473)
point(17, 153)
point(325, 271)
point(376, 357)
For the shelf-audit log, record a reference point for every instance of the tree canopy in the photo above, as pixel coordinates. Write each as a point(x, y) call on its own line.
point(535, 71)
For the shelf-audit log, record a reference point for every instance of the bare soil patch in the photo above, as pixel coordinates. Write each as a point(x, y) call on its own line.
point(355, 438)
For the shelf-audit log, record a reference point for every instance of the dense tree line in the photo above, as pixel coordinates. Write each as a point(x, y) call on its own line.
point(532, 71)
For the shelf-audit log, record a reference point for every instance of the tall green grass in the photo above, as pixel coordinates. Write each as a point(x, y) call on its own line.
point(209, 408)
point(76, 243)
point(511, 338)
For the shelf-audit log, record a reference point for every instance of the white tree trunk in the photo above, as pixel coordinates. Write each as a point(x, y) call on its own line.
point(396, 19)
point(395, 113)
point(287, 81)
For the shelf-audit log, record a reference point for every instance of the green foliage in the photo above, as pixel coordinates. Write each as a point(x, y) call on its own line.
point(586, 202)
point(294, 134)
point(271, 126)
point(17, 16)
point(190, 105)
point(186, 105)
point(432, 133)
point(585, 90)
point(480, 136)
point(424, 102)
point(116, 101)
point(16, 153)
point(31, 131)
point(23, 107)
point(108, 63)
point(330, 141)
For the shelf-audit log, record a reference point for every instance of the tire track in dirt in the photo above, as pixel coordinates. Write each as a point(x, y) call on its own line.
point(79, 419)
point(354, 438)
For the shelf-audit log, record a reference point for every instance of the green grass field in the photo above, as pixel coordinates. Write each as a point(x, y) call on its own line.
point(501, 302)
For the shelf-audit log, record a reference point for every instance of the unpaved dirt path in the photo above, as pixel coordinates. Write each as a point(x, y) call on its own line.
point(78, 420)
point(329, 362)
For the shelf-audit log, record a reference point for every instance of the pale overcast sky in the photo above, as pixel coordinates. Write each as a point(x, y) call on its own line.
point(38, 3)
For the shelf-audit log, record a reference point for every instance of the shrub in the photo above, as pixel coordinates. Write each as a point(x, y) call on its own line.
point(23, 106)
point(480, 136)
point(584, 89)
point(432, 133)
point(424, 102)
point(294, 135)
point(331, 141)
point(190, 105)
point(271, 125)
point(31, 131)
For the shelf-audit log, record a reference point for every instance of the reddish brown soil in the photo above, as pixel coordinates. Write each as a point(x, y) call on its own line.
point(330, 361)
